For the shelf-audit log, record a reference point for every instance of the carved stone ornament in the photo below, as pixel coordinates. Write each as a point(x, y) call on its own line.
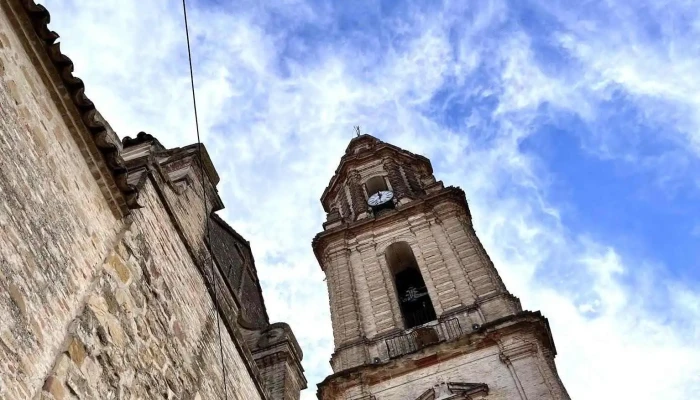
point(456, 391)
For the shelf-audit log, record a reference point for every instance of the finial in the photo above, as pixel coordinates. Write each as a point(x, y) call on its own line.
point(357, 131)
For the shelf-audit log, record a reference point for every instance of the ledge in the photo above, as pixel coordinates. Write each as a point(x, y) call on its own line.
point(483, 336)
point(104, 140)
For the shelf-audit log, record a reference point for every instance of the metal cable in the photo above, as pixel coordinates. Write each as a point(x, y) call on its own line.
point(204, 193)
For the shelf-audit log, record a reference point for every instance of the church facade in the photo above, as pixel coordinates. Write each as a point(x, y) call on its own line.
point(418, 309)
point(117, 277)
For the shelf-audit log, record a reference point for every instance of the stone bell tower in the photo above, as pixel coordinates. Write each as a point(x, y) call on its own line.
point(418, 308)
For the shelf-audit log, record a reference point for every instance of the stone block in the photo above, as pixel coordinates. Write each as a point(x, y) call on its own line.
point(76, 352)
point(54, 386)
point(120, 268)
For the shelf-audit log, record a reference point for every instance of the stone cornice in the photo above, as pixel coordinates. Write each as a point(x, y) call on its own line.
point(178, 164)
point(486, 335)
point(380, 149)
point(99, 144)
point(427, 202)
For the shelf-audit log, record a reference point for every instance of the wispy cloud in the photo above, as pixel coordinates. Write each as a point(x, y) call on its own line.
point(281, 84)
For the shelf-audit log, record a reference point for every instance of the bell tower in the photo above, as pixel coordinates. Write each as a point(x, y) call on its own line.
point(418, 308)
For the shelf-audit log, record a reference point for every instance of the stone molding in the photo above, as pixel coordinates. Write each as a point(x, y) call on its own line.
point(455, 391)
point(378, 149)
point(99, 144)
point(448, 194)
point(486, 335)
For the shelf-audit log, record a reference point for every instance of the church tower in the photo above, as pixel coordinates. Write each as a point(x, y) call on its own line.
point(418, 308)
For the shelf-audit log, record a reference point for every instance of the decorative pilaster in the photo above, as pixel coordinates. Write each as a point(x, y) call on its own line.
point(432, 266)
point(413, 183)
point(493, 282)
point(396, 179)
point(381, 296)
point(359, 204)
point(456, 269)
point(346, 320)
point(391, 292)
point(278, 357)
point(345, 206)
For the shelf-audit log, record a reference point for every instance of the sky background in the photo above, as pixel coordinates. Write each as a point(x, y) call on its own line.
point(573, 127)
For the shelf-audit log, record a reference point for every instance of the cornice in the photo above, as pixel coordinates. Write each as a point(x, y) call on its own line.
point(104, 143)
point(486, 335)
point(378, 151)
point(355, 228)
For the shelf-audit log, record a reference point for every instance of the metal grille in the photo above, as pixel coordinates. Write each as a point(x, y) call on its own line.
point(423, 336)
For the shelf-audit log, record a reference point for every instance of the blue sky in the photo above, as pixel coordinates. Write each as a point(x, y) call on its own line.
point(573, 127)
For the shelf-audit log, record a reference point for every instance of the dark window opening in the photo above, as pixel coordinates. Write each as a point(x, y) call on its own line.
point(414, 301)
point(375, 184)
point(416, 307)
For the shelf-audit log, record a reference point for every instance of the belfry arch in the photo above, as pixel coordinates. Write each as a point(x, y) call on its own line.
point(375, 184)
point(412, 293)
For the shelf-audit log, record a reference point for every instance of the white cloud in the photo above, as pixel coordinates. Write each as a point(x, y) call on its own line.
point(277, 134)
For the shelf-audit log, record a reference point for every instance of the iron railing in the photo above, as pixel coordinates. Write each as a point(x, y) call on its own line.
point(364, 397)
point(421, 336)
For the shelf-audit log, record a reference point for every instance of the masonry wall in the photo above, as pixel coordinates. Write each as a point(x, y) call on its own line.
point(55, 226)
point(452, 261)
point(92, 306)
point(515, 370)
point(148, 329)
point(480, 366)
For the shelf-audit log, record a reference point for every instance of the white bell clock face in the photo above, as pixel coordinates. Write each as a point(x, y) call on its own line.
point(380, 198)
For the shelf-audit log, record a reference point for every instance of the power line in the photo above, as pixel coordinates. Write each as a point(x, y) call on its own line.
point(204, 194)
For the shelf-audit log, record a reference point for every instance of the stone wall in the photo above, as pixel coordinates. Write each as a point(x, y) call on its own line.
point(149, 328)
point(97, 301)
point(513, 359)
point(460, 278)
point(55, 225)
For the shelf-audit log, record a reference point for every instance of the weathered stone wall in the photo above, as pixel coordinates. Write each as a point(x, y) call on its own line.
point(233, 255)
point(55, 225)
point(481, 366)
point(93, 305)
point(281, 378)
point(149, 328)
point(516, 367)
point(459, 276)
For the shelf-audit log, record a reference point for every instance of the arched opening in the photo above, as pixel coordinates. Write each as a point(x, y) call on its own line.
point(375, 184)
point(414, 301)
